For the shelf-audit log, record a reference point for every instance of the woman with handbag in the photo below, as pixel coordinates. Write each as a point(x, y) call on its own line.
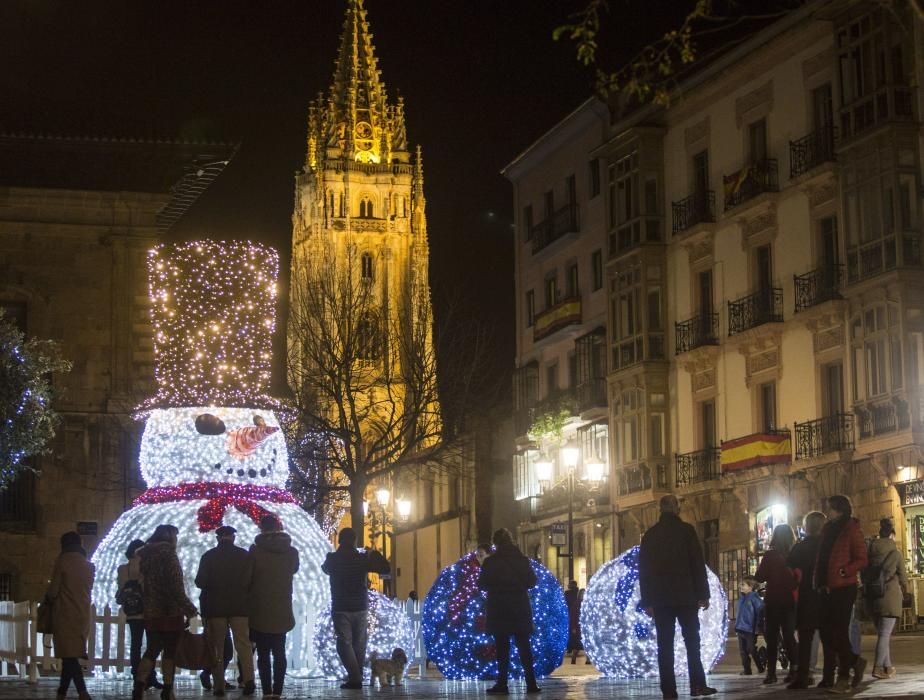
point(885, 604)
point(166, 608)
point(69, 596)
point(130, 598)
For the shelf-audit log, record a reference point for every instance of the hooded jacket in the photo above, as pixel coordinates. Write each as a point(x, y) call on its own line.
point(165, 601)
point(884, 553)
point(275, 562)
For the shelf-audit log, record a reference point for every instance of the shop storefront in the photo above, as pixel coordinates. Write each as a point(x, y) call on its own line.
point(911, 497)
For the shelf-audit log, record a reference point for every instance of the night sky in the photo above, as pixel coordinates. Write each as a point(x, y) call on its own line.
point(482, 79)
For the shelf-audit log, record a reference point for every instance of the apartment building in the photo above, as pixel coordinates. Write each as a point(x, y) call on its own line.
point(561, 460)
point(764, 344)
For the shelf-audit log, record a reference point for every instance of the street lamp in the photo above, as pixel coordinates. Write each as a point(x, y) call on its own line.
point(570, 454)
point(594, 470)
point(404, 508)
point(544, 469)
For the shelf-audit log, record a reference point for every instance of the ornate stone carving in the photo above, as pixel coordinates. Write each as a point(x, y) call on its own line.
point(828, 338)
point(763, 361)
point(822, 193)
point(762, 97)
point(704, 379)
point(758, 224)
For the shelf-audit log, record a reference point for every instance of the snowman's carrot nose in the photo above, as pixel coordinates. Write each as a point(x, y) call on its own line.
point(243, 442)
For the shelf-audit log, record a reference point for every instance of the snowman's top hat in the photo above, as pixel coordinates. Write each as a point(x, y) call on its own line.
point(213, 307)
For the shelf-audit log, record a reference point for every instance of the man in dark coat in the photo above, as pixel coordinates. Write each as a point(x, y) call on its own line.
point(672, 578)
point(348, 569)
point(224, 575)
point(507, 577)
point(802, 560)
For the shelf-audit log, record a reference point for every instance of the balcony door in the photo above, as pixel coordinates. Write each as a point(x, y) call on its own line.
point(822, 108)
point(832, 389)
point(707, 424)
point(828, 243)
point(757, 141)
point(704, 293)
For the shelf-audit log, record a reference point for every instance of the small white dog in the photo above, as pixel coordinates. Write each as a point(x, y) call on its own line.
point(388, 670)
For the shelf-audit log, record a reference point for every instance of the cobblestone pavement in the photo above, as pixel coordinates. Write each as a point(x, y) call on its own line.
point(578, 682)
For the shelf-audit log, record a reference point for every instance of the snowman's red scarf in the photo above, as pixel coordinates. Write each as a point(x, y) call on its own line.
point(219, 496)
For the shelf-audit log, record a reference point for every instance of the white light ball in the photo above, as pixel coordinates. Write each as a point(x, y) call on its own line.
point(174, 452)
point(620, 639)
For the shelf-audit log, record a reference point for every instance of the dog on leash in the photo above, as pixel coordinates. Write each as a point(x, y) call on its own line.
point(388, 670)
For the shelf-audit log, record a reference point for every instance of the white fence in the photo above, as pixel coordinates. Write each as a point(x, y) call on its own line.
point(23, 646)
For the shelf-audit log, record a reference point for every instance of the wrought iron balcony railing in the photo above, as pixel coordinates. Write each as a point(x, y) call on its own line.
point(824, 435)
point(641, 477)
point(693, 333)
point(812, 150)
point(698, 208)
point(699, 466)
point(562, 222)
point(750, 181)
point(765, 306)
point(818, 286)
point(563, 313)
point(591, 393)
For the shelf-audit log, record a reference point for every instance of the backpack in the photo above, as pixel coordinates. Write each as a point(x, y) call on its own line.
point(130, 598)
point(874, 580)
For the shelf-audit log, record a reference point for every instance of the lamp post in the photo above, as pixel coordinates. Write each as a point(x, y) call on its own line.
point(570, 455)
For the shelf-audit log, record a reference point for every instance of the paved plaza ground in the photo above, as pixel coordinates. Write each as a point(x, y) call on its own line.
point(577, 682)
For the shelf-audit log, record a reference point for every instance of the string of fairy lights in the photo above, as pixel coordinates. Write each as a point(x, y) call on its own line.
point(620, 638)
point(453, 620)
point(213, 312)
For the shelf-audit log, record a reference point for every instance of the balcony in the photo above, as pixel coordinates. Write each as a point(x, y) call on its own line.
point(561, 223)
point(641, 477)
point(697, 467)
point(810, 151)
point(566, 312)
point(765, 306)
point(696, 332)
point(591, 394)
point(883, 417)
point(818, 286)
point(750, 181)
point(698, 208)
point(890, 103)
point(822, 436)
point(882, 255)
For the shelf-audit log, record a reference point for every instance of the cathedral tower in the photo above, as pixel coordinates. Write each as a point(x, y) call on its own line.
point(360, 227)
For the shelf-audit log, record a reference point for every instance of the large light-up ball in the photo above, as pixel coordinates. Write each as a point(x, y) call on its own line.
point(388, 628)
point(311, 586)
point(454, 631)
point(181, 445)
point(620, 638)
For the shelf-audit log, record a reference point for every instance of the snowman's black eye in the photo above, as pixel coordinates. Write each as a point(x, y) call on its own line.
point(208, 424)
point(218, 465)
point(262, 472)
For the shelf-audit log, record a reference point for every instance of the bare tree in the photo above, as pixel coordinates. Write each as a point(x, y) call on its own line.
point(362, 364)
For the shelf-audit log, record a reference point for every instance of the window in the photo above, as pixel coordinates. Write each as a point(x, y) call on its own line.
point(368, 337)
point(572, 370)
point(767, 398)
point(593, 440)
point(822, 107)
point(551, 292)
point(596, 264)
point(528, 222)
point(877, 352)
point(341, 209)
point(763, 269)
point(827, 230)
point(573, 287)
point(704, 295)
point(368, 271)
point(628, 411)
point(525, 483)
point(366, 210)
point(594, 167)
point(832, 389)
point(654, 310)
point(571, 189)
point(6, 586)
point(701, 173)
point(656, 435)
point(551, 379)
point(757, 141)
point(548, 201)
point(707, 438)
point(530, 308)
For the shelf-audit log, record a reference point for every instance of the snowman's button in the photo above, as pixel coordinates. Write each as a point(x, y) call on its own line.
point(252, 473)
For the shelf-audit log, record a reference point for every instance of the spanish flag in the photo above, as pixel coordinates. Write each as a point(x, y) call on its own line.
point(756, 450)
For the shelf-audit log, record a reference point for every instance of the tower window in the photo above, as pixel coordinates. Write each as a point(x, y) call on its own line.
point(366, 208)
point(368, 270)
point(368, 339)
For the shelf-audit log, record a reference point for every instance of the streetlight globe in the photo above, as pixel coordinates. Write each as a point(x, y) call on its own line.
point(595, 470)
point(570, 454)
point(382, 496)
point(404, 508)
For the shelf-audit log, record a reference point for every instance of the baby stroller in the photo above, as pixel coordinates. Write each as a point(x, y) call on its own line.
point(762, 648)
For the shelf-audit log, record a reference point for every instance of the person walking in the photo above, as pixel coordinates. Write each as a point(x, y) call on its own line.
point(673, 583)
point(69, 596)
point(801, 560)
point(166, 608)
point(506, 576)
point(348, 570)
point(572, 600)
point(750, 609)
point(275, 563)
point(885, 604)
point(779, 601)
point(224, 575)
point(841, 556)
point(131, 599)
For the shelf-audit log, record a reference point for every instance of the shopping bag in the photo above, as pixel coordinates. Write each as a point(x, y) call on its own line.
point(193, 651)
point(43, 622)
